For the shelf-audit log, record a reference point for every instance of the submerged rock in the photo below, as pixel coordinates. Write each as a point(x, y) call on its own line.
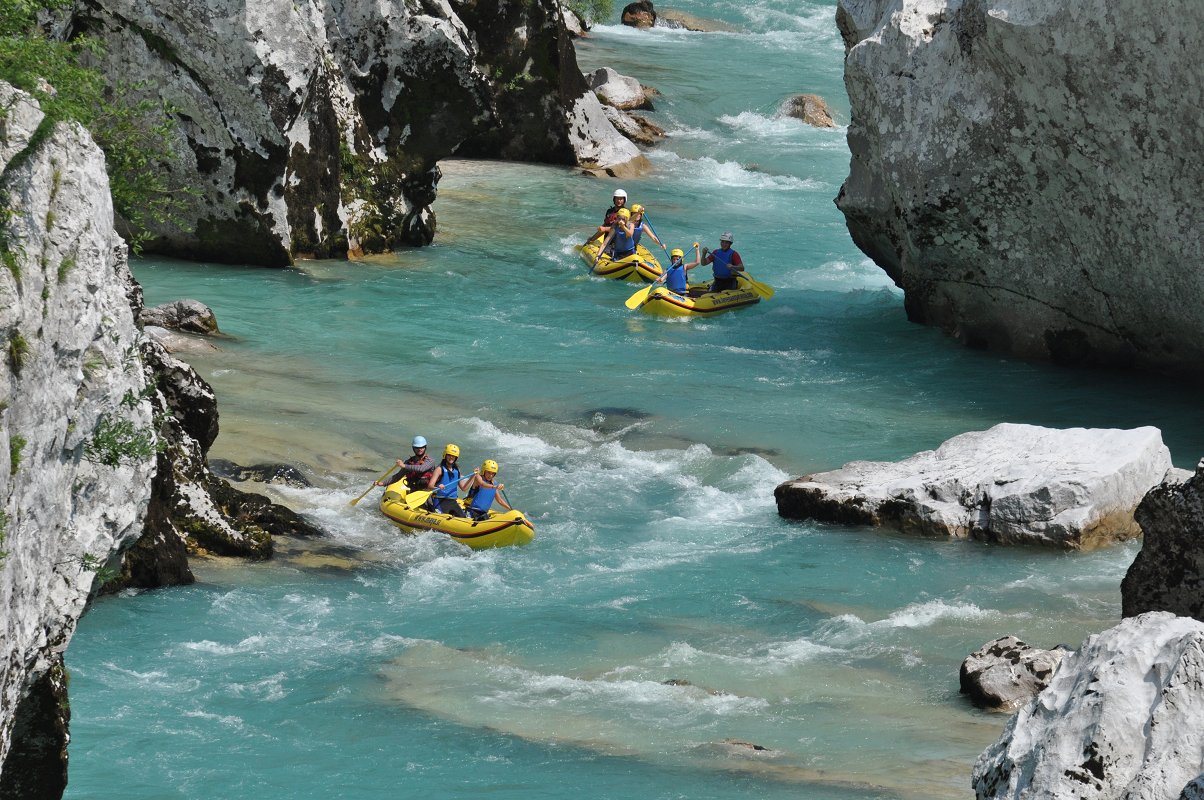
point(1119, 721)
point(810, 108)
point(1013, 484)
point(672, 18)
point(1020, 171)
point(1168, 573)
point(285, 474)
point(1005, 674)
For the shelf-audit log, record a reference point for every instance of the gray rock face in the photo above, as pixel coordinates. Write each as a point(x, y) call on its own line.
point(1119, 721)
point(1005, 674)
point(1018, 168)
point(72, 392)
point(1013, 484)
point(314, 129)
point(1168, 573)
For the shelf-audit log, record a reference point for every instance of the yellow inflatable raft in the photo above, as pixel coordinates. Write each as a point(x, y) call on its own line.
point(499, 529)
point(696, 301)
point(639, 266)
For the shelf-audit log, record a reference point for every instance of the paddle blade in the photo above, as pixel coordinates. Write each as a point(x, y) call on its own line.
point(415, 500)
point(637, 299)
point(383, 475)
point(759, 288)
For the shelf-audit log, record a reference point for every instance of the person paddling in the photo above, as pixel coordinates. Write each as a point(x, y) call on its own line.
point(641, 226)
point(621, 238)
point(482, 491)
point(445, 484)
point(416, 469)
point(725, 263)
point(608, 220)
point(675, 278)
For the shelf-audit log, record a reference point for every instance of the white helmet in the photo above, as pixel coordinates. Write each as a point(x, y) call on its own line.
point(419, 441)
point(620, 193)
point(725, 237)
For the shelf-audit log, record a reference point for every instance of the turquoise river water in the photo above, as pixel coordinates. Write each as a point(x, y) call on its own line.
point(664, 613)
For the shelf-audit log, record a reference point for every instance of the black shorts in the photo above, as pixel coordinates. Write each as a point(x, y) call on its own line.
point(722, 284)
point(446, 505)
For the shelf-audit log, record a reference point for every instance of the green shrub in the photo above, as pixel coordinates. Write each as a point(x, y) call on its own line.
point(15, 445)
point(18, 351)
point(592, 10)
point(119, 441)
point(135, 135)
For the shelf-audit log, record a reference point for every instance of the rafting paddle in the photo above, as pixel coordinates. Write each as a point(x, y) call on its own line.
point(373, 486)
point(758, 287)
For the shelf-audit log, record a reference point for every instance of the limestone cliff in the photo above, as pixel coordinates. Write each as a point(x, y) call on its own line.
point(76, 473)
point(316, 128)
point(103, 434)
point(1028, 171)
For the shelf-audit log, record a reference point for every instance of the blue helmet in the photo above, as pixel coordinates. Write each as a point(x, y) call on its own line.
point(419, 441)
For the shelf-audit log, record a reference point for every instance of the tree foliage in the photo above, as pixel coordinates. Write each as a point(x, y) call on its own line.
point(134, 134)
point(592, 11)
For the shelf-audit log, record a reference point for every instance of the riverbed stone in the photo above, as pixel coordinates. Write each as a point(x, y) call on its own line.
point(1006, 673)
point(1073, 488)
point(191, 316)
point(1120, 720)
point(640, 14)
point(810, 108)
point(1020, 170)
point(673, 18)
point(621, 91)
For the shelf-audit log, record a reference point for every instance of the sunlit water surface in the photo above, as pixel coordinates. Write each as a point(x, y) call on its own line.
point(664, 619)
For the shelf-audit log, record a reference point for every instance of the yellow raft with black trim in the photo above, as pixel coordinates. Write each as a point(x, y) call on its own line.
point(696, 301)
point(498, 529)
point(639, 266)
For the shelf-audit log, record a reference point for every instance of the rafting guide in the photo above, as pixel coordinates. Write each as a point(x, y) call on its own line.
point(608, 220)
point(417, 469)
point(725, 263)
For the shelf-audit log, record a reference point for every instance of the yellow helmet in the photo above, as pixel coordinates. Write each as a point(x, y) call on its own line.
point(452, 450)
point(489, 466)
point(676, 253)
point(637, 209)
point(624, 213)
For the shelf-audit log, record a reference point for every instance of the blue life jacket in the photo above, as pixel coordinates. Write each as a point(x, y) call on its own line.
point(450, 479)
point(623, 243)
point(675, 278)
point(721, 263)
point(639, 231)
point(482, 498)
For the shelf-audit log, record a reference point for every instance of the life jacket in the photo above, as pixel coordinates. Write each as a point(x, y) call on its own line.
point(675, 278)
point(418, 480)
point(450, 480)
point(481, 497)
point(609, 219)
point(721, 263)
point(639, 232)
point(622, 244)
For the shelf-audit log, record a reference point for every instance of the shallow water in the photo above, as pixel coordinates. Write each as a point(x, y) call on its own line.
point(645, 450)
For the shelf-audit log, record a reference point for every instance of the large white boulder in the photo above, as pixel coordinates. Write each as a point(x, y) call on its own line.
point(1013, 484)
point(1119, 721)
point(1028, 171)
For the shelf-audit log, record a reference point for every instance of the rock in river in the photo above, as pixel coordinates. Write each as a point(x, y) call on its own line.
point(1013, 484)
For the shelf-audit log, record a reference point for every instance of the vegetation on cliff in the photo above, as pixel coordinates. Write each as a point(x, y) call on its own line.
point(133, 135)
